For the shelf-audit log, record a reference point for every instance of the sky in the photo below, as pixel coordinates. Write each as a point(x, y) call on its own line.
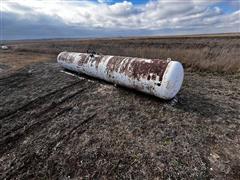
point(40, 19)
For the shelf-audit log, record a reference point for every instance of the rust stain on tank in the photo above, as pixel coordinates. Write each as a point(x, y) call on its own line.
point(154, 77)
point(83, 59)
point(137, 68)
point(114, 64)
point(94, 60)
point(141, 69)
point(97, 60)
point(149, 77)
point(126, 67)
point(66, 57)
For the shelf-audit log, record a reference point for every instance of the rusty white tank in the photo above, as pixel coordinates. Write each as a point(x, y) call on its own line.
point(161, 78)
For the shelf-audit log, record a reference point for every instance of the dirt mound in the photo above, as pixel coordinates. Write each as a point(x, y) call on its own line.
point(56, 125)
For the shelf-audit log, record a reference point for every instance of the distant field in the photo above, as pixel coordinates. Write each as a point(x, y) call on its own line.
point(213, 53)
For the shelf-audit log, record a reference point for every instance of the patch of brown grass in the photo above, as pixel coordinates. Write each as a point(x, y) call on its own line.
point(213, 53)
point(17, 60)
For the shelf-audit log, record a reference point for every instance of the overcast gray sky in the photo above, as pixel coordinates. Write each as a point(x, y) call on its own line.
point(34, 19)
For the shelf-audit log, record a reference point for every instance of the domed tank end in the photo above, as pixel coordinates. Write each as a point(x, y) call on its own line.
point(172, 80)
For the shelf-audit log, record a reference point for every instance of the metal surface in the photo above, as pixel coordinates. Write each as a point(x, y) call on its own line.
point(153, 76)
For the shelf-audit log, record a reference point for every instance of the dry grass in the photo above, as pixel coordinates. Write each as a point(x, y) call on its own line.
point(213, 53)
point(16, 60)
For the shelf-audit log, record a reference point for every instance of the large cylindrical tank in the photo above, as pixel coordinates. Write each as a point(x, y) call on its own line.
point(157, 77)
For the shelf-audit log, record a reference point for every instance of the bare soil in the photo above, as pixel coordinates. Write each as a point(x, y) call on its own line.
point(55, 124)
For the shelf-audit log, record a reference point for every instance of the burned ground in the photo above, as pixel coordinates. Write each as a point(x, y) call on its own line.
point(58, 125)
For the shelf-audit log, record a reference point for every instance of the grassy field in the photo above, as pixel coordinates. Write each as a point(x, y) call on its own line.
point(55, 124)
point(216, 53)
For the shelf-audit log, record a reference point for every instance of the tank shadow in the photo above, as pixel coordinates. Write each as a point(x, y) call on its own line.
point(193, 102)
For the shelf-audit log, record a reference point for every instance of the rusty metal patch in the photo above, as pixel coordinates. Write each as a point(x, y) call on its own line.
point(83, 59)
point(149, 70)
point(114, 64)
point(66, 58)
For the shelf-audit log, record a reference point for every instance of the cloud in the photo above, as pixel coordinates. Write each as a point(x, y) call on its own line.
point(102, 16)
point(104, 1)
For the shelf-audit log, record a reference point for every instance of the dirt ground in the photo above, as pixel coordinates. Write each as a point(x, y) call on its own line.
point(59, 125)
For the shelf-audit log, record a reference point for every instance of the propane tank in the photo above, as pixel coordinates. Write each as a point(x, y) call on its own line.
point(161, 78)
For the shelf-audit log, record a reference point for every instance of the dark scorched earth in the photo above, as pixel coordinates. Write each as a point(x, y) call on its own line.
point(59, 125)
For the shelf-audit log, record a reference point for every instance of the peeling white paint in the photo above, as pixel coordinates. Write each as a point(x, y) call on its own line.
point(167, 88)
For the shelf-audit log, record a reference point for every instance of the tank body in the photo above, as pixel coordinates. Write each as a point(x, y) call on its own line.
point(157, 77)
